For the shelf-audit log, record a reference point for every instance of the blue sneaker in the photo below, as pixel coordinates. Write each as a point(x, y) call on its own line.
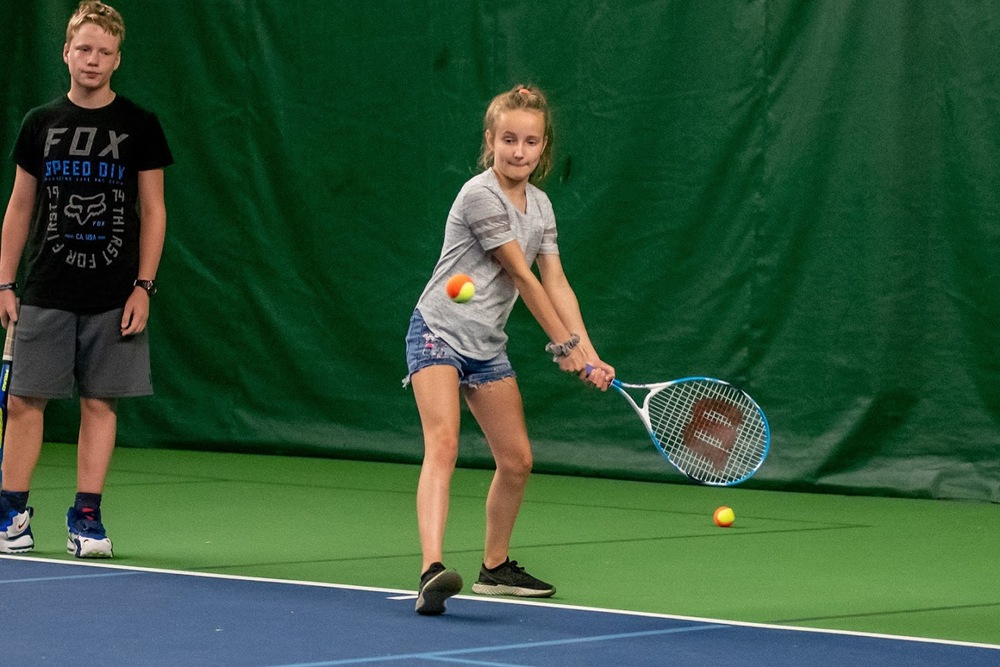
point(87, 538)
point(15, 532)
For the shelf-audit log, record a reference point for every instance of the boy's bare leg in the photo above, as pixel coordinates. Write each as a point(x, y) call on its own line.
point(98, 430)
point(23, 441)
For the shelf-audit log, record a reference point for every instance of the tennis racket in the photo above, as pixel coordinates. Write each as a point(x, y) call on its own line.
point(708, 429)
point(8, 361)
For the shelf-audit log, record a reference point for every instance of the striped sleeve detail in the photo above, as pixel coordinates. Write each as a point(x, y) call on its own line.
point(549, 246)
point(491, 227)
point(488, 220)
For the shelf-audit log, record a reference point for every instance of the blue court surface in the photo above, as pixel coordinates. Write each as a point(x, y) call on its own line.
point(57, 613)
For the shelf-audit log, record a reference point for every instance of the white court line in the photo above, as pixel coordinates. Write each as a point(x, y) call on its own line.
point(410, 595)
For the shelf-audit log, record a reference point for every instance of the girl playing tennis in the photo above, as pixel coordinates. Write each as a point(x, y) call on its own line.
point(499, 226)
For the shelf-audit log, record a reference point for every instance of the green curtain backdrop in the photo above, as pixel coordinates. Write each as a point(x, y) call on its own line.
point(801, 197)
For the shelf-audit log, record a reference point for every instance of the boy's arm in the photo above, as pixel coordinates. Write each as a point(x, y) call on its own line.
point(152, 232)
point(16, 223)
point(152, 222)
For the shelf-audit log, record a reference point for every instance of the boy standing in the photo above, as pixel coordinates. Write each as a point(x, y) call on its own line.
point(87, 216)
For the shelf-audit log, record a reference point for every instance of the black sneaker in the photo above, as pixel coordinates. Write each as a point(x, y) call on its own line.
point(437, 585)
point(509, 578)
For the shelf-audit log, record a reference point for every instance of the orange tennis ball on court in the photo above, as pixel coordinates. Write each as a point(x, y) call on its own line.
point(724, 517)
point(460, 288)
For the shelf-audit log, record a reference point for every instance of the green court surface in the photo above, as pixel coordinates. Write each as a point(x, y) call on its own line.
point(918, 568)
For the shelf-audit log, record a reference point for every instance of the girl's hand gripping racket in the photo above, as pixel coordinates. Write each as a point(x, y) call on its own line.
point(708, 429)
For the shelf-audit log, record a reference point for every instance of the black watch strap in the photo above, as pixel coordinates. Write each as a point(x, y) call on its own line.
point(148, 285)
point(7, 286)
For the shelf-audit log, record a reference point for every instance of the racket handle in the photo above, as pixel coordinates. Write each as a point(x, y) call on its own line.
point(614, 381)
point(590, 369)
point(8, 345)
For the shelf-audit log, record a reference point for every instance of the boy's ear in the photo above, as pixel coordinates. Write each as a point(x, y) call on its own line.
point(66, 53)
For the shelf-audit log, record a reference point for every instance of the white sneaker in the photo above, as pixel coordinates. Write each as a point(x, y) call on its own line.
point(87, 538)
point(15, 532)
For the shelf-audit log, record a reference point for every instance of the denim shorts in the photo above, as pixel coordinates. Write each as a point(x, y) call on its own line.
point(425, 348)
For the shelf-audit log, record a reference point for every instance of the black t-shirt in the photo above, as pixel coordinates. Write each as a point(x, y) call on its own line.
point(82, 253)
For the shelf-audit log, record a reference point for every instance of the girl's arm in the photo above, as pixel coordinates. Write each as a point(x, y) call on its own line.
point(560, 316)
point(564, 300)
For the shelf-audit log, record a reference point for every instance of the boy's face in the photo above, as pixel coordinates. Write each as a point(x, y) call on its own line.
point(517, 142)
point(92, 57)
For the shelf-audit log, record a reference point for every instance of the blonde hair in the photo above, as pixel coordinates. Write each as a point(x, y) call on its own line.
point(103, 16)
point(519, 97)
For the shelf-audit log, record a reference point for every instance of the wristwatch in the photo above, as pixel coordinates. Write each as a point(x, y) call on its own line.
point(7, 286)
point(148, 285)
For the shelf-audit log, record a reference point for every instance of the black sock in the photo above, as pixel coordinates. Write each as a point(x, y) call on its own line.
point(88, 504)
point(15, 500)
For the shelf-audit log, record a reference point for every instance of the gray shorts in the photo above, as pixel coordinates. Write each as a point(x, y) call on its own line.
point(55, 350)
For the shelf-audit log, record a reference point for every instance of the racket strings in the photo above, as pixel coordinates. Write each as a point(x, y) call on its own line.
point(708, 429)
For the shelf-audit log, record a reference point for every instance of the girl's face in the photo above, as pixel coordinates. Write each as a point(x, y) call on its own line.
point(517, 140)
point(92, 57)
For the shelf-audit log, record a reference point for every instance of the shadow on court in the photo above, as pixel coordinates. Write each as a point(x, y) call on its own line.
point(101, 614)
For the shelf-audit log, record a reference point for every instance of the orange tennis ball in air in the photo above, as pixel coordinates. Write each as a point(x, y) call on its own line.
point(460, 288)
point(724, 517)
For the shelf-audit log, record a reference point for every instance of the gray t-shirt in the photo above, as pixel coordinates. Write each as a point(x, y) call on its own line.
point(482, 219)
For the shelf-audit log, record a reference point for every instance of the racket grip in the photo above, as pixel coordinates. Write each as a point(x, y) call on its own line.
point(614, 381)
point(8, 344)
